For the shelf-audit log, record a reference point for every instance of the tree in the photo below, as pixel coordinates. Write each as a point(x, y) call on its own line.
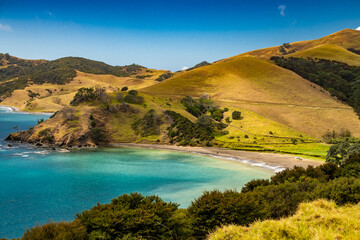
point(204, 121)
point(236, 115)
point(134, 216)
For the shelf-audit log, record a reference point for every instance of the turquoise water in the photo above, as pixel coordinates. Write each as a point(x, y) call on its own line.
point(37, 185)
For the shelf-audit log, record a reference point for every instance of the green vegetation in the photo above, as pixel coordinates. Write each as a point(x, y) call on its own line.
point(183, 131)
point(155, 219)
point(236, 115)
point(148, 125)
point(164, 76)
point(340, 79)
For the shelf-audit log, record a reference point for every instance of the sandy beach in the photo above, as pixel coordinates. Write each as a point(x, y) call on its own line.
point(274, 160)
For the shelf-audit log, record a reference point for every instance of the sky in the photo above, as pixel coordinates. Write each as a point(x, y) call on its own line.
point(163, 34)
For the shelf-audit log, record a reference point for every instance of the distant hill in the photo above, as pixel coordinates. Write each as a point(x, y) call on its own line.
point(57, 81)
point(347, 38)
point(329, 52)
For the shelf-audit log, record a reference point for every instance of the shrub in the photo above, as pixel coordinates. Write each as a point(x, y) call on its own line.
point(204, 121)
point(119, 97)
point(217, 114)
point(124, 89)
point(236, 115)
point(148, 125)
point(227, 119)
point(183, 129)
point(57, 231)
point(164, 76)
point(133, 92)
point(134, 99)
point(98, 135)
point(134, 216)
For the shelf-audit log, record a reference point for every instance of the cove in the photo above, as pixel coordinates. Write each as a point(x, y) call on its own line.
point(37, 184)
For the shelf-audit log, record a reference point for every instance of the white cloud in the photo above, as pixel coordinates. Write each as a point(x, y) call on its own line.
point(358, 28)
point(184, 68)
point(5, 27)
point(282, 10)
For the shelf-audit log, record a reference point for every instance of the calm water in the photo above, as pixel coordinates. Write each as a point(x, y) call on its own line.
point(37, 185)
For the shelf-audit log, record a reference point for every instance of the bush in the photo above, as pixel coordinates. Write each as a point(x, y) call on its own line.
point(130, 98)
point(217, 114)
point(205, 121)
point(57, 231)
point(98, 135)
point(236, 115)
point(124, 89)
point(148, 125)
point(134, 216)
point(133, 92)
point(119, 97)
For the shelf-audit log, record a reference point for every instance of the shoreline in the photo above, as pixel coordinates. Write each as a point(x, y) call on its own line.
point(274, 161)
point(17, 110)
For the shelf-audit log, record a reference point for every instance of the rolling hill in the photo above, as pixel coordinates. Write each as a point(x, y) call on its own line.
point(347, 38)
point(266, 89)
point(330, 52)
point(54, 83)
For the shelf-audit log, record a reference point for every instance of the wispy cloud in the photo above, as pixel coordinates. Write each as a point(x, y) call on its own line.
point(282, 9)
point(50, 14)
point(5, 27)
point(358, 28)
point(184, 68)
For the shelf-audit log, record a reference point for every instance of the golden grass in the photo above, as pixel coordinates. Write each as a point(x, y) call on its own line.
point(266, 89)
point(330, 52)
point(347, 38)
point(63, 94)
point(320, 219)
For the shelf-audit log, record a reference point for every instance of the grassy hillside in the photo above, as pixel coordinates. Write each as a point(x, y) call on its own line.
point(266, 89)
point(347, 38)
point(18, 73)
point(330, 52)
point(320, 219)
point(53, 97)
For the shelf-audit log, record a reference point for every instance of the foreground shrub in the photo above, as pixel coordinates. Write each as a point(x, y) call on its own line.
point(57, 231)
point(135, 217)
point(320, 219)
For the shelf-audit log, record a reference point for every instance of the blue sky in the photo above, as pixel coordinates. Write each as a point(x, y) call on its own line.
point(164, 34)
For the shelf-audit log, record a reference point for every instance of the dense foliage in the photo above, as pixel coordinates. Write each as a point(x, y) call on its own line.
point(164, 76)
point(340, 79)
point(135, 217)
point(183, 131)
point(148, 125)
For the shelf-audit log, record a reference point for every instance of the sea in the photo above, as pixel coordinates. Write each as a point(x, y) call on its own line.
point(38, 185)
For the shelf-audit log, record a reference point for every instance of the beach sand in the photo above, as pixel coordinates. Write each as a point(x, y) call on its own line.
point(274, 160)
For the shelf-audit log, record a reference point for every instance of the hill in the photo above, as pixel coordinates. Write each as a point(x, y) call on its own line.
point(330, 52)
point(47, 86)
point(266, 89)
point(347, 38)
point(320, 219)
